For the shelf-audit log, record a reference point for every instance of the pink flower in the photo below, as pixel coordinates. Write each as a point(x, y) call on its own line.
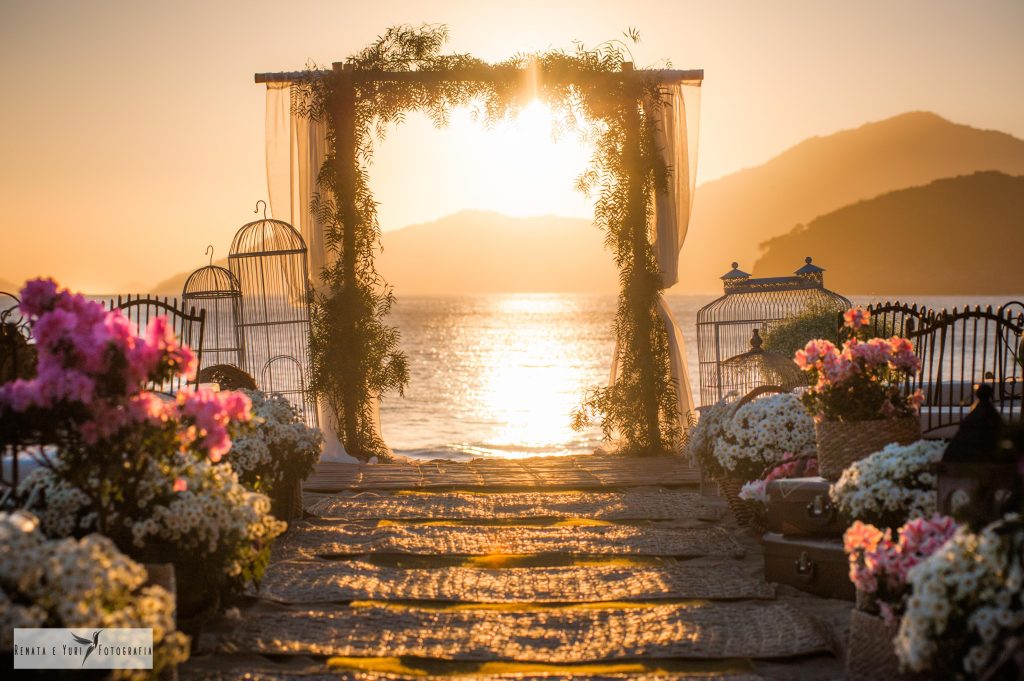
point(38, 296)
point(873, 353)
point(836, 369)
point(902, 355)
point(211, 413)
point(180, 485)
point(814, 352)
point(856, 317)
point(861, 536)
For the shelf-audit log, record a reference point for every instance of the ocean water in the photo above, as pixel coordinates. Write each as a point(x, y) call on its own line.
point(499, 375)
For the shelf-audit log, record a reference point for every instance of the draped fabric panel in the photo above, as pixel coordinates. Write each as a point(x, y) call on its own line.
point(677, 125)
point(295, 149)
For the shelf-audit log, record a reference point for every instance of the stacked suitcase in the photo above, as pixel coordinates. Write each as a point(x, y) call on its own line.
point(804, 544)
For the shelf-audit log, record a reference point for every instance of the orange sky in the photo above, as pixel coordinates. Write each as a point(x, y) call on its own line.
point(131, 133)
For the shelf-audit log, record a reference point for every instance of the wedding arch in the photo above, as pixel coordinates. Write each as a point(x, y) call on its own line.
point(321, 125)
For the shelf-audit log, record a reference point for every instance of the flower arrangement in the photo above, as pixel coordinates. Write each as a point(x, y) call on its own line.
point(277, 449)
point(125, 453)
point(890, 486)
point(763, 433)
point(700, 444)
point(879, 566)
point(80, 583)
point(861, 381)
point(965, 614)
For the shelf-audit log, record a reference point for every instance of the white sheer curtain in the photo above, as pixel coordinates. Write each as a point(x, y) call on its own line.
point(296, 147)
point(677, 126)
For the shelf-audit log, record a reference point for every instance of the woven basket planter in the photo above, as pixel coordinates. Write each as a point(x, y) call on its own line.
point(841, 444)
point(286, 502)
point(730, 489)
point(871, 654)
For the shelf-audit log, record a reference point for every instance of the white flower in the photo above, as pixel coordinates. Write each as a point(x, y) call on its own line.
point(79, 583)
point(762, 433)
point(898, 478)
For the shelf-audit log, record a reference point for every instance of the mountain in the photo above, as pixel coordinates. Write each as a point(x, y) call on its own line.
point(962, 235)
point(171, 286)
point(736, 213)
point(485, 252)
point(10, 287)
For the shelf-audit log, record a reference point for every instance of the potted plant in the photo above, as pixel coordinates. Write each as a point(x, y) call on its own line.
point(878, 569)
point(761, 434)
point(276, 452)
point(965, 613)
point(755, 493)
point(81, 583)
point(857, 396)
point(890, 486)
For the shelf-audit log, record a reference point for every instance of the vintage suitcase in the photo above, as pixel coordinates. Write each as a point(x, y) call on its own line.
point(817, 566)
point(801, 507)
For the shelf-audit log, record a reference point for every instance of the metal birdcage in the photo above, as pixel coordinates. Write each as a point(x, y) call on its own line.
point(726, 325)
point(216, 290)
point(269, 261)
point(757, 367)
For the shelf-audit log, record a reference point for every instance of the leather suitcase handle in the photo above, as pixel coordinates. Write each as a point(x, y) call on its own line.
point(820, 511)
point(804, 567)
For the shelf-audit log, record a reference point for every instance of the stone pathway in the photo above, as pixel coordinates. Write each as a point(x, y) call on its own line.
point(578, 568)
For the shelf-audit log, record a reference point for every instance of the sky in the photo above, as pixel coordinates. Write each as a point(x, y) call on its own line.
point(132, 133)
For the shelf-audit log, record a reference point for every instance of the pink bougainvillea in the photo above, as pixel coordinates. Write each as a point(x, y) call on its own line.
point(90, 374)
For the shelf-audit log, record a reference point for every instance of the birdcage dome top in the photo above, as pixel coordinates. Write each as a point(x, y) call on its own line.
point(267, 237)
point(775, 368)
point(211, 281)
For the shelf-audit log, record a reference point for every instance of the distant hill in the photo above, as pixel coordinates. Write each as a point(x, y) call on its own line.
point(961, 235)
point(485, 252)
point(10, 286)
point(736, 213)
point(172, 285)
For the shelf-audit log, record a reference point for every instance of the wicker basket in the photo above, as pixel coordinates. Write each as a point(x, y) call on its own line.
point(871, 654)
point(730, 489)
point(841, 444)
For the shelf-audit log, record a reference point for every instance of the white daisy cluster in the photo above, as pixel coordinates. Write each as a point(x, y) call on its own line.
point(762, 433)
point(278, 448)
point(79, 583)
point(892, 486)
point(215, 518)
point(214, 515)
point(63, 512)
point(700, 443)
point(966, 602)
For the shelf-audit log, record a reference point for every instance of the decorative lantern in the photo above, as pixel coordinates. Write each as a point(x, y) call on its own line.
point(977, 479)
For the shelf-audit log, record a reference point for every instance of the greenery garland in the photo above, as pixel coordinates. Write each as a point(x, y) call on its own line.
point(355, 358)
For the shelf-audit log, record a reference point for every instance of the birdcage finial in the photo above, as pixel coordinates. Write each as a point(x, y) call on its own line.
point(264, 208)
point(209, 251)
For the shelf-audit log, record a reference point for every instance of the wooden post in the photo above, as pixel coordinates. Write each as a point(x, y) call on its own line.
point(342, 111)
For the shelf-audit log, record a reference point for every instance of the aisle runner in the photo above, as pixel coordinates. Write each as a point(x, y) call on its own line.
point(324, 581)
point(310, 539)
point(577, 634)
point(650, 503)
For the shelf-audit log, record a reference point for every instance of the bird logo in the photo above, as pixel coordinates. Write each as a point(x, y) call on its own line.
point(86, 642)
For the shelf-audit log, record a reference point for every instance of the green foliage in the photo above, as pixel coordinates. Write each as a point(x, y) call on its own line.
point(786, 336)
point(355, 355)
